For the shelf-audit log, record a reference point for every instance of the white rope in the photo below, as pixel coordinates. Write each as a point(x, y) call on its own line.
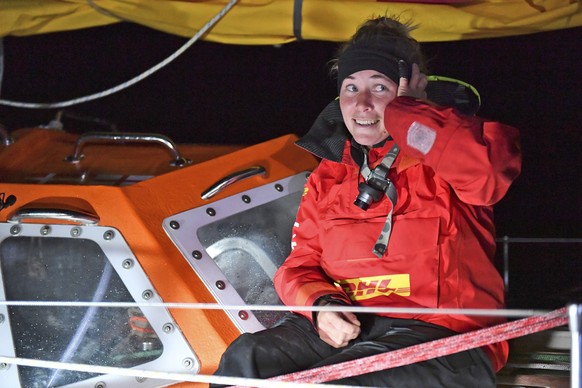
point(115, 89)
point(215, 306)
point(197, 378)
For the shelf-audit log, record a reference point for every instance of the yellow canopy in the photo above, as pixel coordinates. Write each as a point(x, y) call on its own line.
point(282, 21)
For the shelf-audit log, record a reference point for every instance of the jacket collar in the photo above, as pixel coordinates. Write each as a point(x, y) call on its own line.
point(330, 139)
point(328, 134)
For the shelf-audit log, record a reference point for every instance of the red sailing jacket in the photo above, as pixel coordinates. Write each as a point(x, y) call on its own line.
point(450, 171)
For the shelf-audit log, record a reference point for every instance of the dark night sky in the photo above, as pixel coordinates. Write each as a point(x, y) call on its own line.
point(216, 93)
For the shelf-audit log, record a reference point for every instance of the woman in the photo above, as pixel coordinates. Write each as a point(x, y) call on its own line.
point(397, 214)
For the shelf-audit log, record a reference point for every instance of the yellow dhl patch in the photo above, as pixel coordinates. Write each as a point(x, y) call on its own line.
point(374, 286)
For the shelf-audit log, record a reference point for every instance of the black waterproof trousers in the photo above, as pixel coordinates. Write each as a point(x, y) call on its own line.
point(294, 345)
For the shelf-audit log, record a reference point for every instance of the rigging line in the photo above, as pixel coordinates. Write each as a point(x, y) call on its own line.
point(215, 306)
point(132, 81)
point(105, 11)
point(174, 376)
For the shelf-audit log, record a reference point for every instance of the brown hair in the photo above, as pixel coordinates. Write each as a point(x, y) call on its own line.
point(386, 32)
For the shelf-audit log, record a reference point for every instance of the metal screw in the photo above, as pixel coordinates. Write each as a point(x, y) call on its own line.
point(140, 379)
point(45, 230)
point(75, 232)
point(246, 199)
point(168, 328)
point(197, 255)
point(211, 212)
point(243, 315)
point(108, 235)
point(188, 363)
point(147, 294)
point(279, 187)
point(220, 285)
point(127, 263)
point(174, 225)
point(15, 230)
point(4, 365)
point(100, 384)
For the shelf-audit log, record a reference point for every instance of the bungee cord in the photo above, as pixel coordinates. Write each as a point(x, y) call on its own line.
point(131, 82)
point(432, 349)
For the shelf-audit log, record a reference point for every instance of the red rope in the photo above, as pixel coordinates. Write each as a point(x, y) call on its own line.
point(429, 350)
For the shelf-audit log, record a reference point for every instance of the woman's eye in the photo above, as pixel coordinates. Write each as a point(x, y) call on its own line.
point(351, 88)
point(381, 88)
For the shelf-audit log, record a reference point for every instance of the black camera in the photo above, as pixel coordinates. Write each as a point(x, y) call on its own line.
point(372, 190)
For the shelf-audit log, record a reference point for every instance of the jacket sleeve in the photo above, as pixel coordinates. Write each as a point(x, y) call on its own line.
point(479, 159)
point(301, 280)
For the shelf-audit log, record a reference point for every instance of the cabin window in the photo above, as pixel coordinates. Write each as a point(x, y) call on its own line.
point(249, 246)
point(57, 269)
point(236, 245)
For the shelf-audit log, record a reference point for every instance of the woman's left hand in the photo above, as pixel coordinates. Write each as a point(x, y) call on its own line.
point(415, 86)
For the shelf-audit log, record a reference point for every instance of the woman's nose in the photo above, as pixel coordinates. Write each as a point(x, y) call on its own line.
point(364, 100)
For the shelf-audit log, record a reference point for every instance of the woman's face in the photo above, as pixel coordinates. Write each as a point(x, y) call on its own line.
point(363, 98)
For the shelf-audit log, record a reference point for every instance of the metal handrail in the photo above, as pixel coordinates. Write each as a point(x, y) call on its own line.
point(77, 156)
point(54, 214)
point(228, 180)
point(506, 240)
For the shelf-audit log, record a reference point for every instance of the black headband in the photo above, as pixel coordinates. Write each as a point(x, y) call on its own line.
point(374, 57)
